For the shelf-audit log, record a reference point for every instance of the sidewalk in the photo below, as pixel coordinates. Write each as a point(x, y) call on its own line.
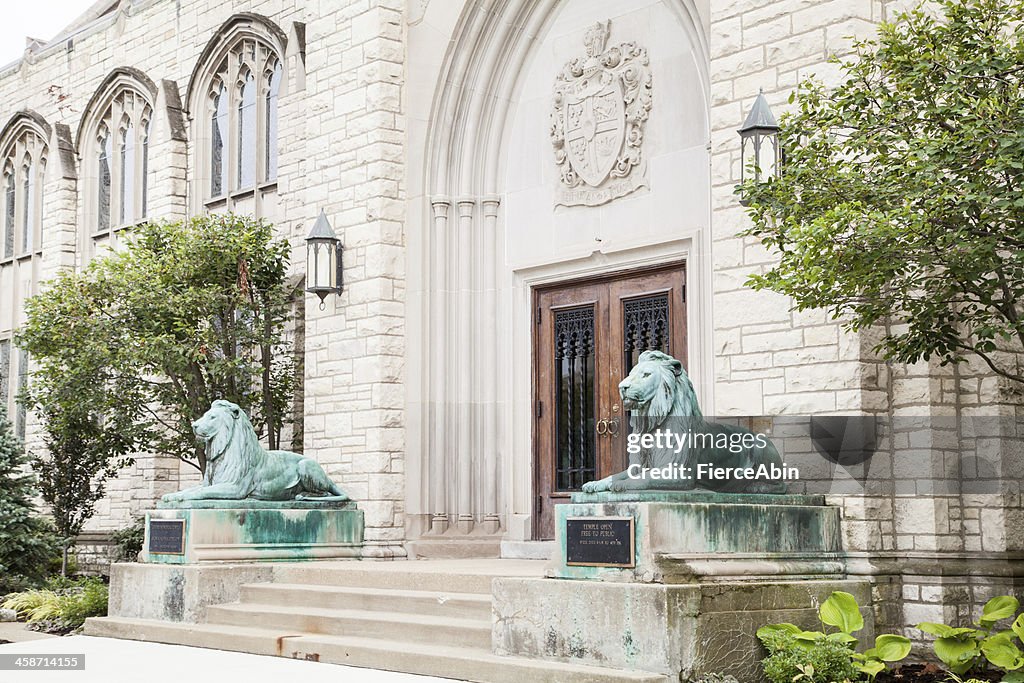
point(108, 660)
point(16, 632)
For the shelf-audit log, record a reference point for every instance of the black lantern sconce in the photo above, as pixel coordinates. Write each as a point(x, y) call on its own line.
point(323, 260)
point(759, 142)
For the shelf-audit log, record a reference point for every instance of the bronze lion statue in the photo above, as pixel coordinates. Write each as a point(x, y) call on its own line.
point(697, 452)
point(239, 467)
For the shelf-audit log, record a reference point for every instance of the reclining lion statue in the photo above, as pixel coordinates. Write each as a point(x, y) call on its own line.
point(661, 397)
point(238, 467)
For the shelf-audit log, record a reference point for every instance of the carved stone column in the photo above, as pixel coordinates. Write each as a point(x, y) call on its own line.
point(437, 454)
point(490, 461)
point(464, 352)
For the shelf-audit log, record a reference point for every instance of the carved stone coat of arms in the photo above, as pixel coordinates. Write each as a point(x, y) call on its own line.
point(601, 103)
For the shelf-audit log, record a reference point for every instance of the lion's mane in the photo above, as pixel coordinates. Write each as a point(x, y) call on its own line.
point(234, 452)
point(674, 396)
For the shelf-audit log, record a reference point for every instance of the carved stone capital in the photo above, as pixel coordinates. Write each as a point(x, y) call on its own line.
point(466, 206)
point(439, 205)
point(491, 203)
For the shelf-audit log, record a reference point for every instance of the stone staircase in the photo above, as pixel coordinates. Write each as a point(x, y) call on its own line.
point(421, 617)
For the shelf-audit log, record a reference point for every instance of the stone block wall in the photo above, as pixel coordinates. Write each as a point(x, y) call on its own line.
point(341, 150)
point(770, 360)
point(934, 519)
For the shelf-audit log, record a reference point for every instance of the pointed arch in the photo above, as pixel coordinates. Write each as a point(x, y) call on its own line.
point(118, 79)
point(24, 146)
point(230, 32)
point(462, 191)
point(21, 122)
point(110, 143)
point(235, 160)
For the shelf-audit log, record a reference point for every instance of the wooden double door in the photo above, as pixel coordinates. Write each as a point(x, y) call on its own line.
point(587, 336)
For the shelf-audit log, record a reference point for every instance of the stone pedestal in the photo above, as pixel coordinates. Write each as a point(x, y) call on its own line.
point(683, 537)
point(708, 570)
point(239, 531)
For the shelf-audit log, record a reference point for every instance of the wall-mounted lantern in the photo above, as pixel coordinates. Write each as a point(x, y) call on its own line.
point(759, 142)
point(323, 260)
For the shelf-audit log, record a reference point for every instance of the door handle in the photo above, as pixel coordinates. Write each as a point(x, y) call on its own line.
point(613, 427)
point(602, 427)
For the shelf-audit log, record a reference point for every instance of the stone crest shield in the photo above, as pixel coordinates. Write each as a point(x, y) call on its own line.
point(601, 103)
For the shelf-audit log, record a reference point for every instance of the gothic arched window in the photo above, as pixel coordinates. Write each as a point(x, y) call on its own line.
point(115, 155)
point(235, 95)
point(24, 163)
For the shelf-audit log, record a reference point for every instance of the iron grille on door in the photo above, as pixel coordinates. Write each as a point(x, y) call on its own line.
point(575, 462)
point(645, 323)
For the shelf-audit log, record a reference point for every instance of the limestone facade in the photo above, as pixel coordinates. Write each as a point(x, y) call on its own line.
point(424, 129)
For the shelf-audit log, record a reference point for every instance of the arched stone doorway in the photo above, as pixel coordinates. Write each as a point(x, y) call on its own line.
point(489, 226)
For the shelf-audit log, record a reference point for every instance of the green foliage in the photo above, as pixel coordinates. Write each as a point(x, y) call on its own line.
point(813, 656)
point(129, 540)
point(967, 649)
point(63, 606)
point(136, 346)
point(902, 192)
point(716, 678)
point(27, 541)
point(824, 661)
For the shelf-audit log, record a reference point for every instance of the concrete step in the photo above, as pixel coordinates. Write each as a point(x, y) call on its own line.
point(434, 603)
point(413, 628)
point(435, 575)
point(468, 664)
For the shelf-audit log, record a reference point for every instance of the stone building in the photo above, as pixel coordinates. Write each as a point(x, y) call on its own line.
point(529, 192)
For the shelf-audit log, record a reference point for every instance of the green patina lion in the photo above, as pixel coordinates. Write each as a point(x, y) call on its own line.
point(660, 397)
point(238, 467)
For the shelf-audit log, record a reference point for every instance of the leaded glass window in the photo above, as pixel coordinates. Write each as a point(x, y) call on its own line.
point(243, 98)
point(103, 182)
point(247, 133)
point(128, 175)
point(218, 133)
point(9, 204)
point(273, 90)
point(122, 147)
point(145, 168)
point(28, 215)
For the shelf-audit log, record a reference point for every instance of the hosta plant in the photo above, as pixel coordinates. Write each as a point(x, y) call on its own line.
point(967, 649)
point(841, 612)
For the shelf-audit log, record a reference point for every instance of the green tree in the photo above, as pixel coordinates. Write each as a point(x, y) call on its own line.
point(136, 346)
point(27, 541)
point(901, 196)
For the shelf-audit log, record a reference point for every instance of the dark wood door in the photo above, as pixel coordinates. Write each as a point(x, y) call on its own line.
point(587, 337)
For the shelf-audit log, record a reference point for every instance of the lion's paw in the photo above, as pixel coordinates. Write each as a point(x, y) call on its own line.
point(595, 486)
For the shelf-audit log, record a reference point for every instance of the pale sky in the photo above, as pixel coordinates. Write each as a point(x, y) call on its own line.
point(42, 19)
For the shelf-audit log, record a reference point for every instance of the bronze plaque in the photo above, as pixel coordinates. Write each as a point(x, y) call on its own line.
point(167, 536)
point(600, 542)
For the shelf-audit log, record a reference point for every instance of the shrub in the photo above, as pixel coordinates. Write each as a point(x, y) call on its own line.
point(826, 662)
point(63, 606)
point(28, 543)
point(129, 541)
